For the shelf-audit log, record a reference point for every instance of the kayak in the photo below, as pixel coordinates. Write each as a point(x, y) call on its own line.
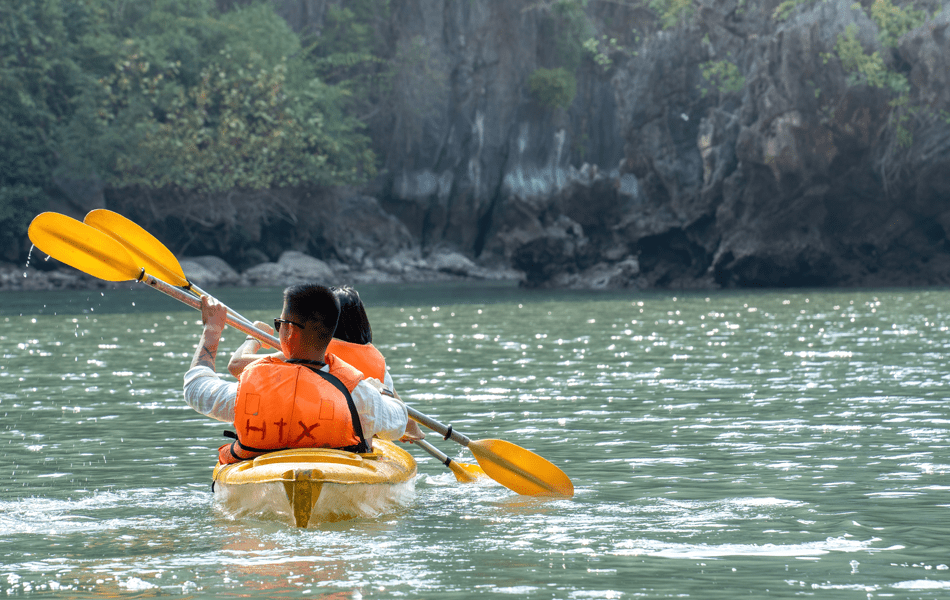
point(308, 486)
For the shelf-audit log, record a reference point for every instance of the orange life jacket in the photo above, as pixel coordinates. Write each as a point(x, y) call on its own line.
point(283, 404)
point(364, 357)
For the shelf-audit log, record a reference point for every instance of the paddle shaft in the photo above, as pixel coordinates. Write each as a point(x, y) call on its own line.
point(445, 430)
point(237, 316)
point(241, 324)
point(464, 473)
point(197, 291)
point(434, 452)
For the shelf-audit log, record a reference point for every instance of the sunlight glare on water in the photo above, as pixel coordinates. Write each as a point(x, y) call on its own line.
point(755, 443)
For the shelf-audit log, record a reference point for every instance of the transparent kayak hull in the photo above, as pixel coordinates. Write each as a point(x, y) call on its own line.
point(307, 486)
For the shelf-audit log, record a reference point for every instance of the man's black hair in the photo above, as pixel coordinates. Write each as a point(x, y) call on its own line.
point(315, 306)
point(353, 325)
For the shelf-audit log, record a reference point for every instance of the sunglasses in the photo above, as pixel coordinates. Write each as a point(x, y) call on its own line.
point(277, 323)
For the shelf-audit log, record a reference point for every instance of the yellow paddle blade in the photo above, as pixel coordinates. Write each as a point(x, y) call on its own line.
point(465, 473)
point(80, 246)
point(520, 470)
point(147, 251)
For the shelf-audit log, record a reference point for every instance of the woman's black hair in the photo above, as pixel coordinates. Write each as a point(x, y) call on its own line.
point(353, 325)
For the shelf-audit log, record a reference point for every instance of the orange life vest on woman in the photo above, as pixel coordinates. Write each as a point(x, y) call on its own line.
point(364, 357)
point(283, 404)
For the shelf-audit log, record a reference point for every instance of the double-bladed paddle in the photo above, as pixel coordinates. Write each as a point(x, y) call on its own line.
point(158, 260)
point(104, 256)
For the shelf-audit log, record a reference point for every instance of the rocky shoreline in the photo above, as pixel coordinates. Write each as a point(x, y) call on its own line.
point(291, 268)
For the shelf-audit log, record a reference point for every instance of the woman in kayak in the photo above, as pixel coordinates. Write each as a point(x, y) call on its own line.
point(353, 339)
point(353, 343)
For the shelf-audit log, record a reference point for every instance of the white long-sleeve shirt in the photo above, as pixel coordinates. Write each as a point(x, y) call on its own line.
point(380, 416)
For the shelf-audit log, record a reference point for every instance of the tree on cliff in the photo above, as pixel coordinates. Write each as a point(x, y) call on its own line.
point(165, 102)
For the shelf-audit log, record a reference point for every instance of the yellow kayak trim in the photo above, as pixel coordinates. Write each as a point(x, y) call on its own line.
point(318, 483)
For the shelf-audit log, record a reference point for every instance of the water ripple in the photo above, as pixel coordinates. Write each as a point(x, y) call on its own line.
point(771, 443)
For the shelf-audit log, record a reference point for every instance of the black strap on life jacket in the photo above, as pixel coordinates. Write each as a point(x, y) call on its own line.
point(238, 444)
point(362, 447)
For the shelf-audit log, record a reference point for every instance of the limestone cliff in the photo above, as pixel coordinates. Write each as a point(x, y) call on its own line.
point(732, 147)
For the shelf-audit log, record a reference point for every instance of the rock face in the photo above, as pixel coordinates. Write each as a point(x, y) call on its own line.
point(822, 193)
point(796, 173)
point(653, 177)
point(487, 150)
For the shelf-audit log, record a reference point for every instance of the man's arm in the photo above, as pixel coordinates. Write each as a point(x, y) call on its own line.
point(413, 431)
point(383, 414)
point(247, 352)
point(214, 316)
point(203, 390)
point(209, 395)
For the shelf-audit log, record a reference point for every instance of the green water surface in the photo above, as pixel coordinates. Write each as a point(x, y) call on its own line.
point(732, 444)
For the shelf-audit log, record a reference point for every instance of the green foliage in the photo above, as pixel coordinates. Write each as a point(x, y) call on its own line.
point(565, 28)
point(38, 82)
point(571, 29)
point(863, 68)
point(722, 75)
point(170, 95)
point(785, 9)
point(893, 22)
point(566, 32)
point(236, 128)
point(673, 12)
point(866, 68)
point(238, 114)
point(601, 50)
point(870, 68)
point(553, 88)
point(349, 52)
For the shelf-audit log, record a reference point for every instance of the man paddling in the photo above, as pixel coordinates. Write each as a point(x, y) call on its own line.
point(308, 399)
point(352, 341)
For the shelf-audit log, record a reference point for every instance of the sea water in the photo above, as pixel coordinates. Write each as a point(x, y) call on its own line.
point(787, 443)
